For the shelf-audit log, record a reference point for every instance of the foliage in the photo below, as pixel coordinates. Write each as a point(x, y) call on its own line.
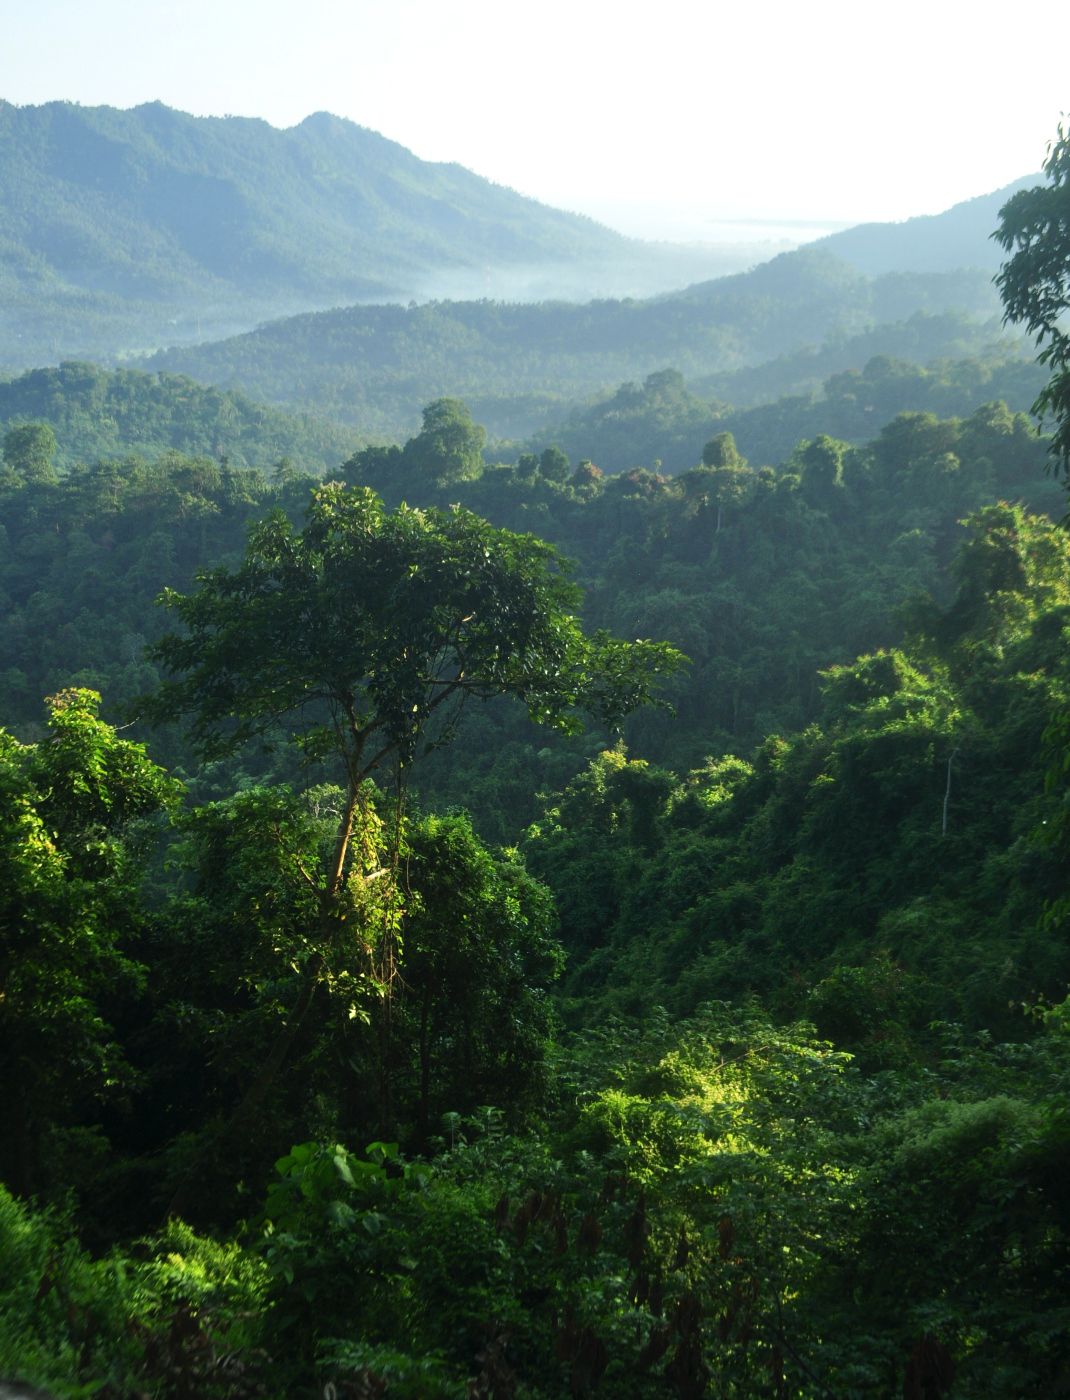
point(97, 413)
point(356, 633)
point(789, 583)
point(130, 230)
point(465, 1020)
point(1035, 282)
point(73, 814)
point(879, 870)
point(181, 1316)
point(834, 1163)
point(722, 1201)
point(381, 619)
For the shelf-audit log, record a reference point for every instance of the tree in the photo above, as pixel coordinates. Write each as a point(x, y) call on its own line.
point(449, 447)
point(28, 451)
point(721, 451)
point(358, 634)
point(358, 630)
point(68, 807)
point(479, 955)
point(554, 465)
point(822, 468)
point(1034, 282)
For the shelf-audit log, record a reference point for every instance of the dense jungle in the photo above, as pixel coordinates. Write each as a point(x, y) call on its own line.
point(570, 906)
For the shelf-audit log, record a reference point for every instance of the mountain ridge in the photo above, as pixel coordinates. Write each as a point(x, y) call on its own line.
point(929, 242)
point(129, 229)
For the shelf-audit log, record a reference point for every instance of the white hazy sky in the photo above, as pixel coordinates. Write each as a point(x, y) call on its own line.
point(665, 117)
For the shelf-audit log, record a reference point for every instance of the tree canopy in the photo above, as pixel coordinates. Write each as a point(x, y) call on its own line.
point(1034, 282)
point(358, 628)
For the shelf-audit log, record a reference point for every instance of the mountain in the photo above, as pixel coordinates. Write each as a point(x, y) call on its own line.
point(521, 366)
point(147, 227)
point(958, 237)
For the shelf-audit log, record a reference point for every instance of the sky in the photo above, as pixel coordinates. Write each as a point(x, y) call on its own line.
point(687, 119)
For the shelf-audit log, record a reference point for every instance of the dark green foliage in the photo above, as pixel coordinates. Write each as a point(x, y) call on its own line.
point(379, 619)
point(753, 575)
point(28, 452)
point(1035, 282)
point(97, 414)
point(879, 871)
point(472, 957)
point(478, 957)
point(760, 577)
point(85, 555)
point(772, 407)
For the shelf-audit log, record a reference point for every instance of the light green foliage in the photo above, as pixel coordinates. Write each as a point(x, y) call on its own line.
point(721, 451)
point(879, 870)
point(181, 1315)
point(69, 845)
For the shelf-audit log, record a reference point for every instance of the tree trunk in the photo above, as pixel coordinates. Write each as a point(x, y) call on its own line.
point(336, 874)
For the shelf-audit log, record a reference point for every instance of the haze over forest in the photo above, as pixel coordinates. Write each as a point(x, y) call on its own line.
point(534, 810)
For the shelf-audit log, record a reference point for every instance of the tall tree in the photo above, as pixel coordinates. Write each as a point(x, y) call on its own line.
point(1034, 282)
point(357, 634)
point(449, 446)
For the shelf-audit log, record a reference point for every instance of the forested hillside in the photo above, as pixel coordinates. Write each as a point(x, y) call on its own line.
point(653, 1207)
point(96, 414)
point(475, 925)
point(661, 421)
point(517, 364)
point(760, 574)
point(127, 230)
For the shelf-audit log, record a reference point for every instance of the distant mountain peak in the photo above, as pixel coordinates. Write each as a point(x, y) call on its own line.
point(958, 237)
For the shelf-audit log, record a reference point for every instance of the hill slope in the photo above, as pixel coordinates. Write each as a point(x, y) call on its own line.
point(97, 414)
point(519, 365)
point(958, 237)
point(150, 226)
